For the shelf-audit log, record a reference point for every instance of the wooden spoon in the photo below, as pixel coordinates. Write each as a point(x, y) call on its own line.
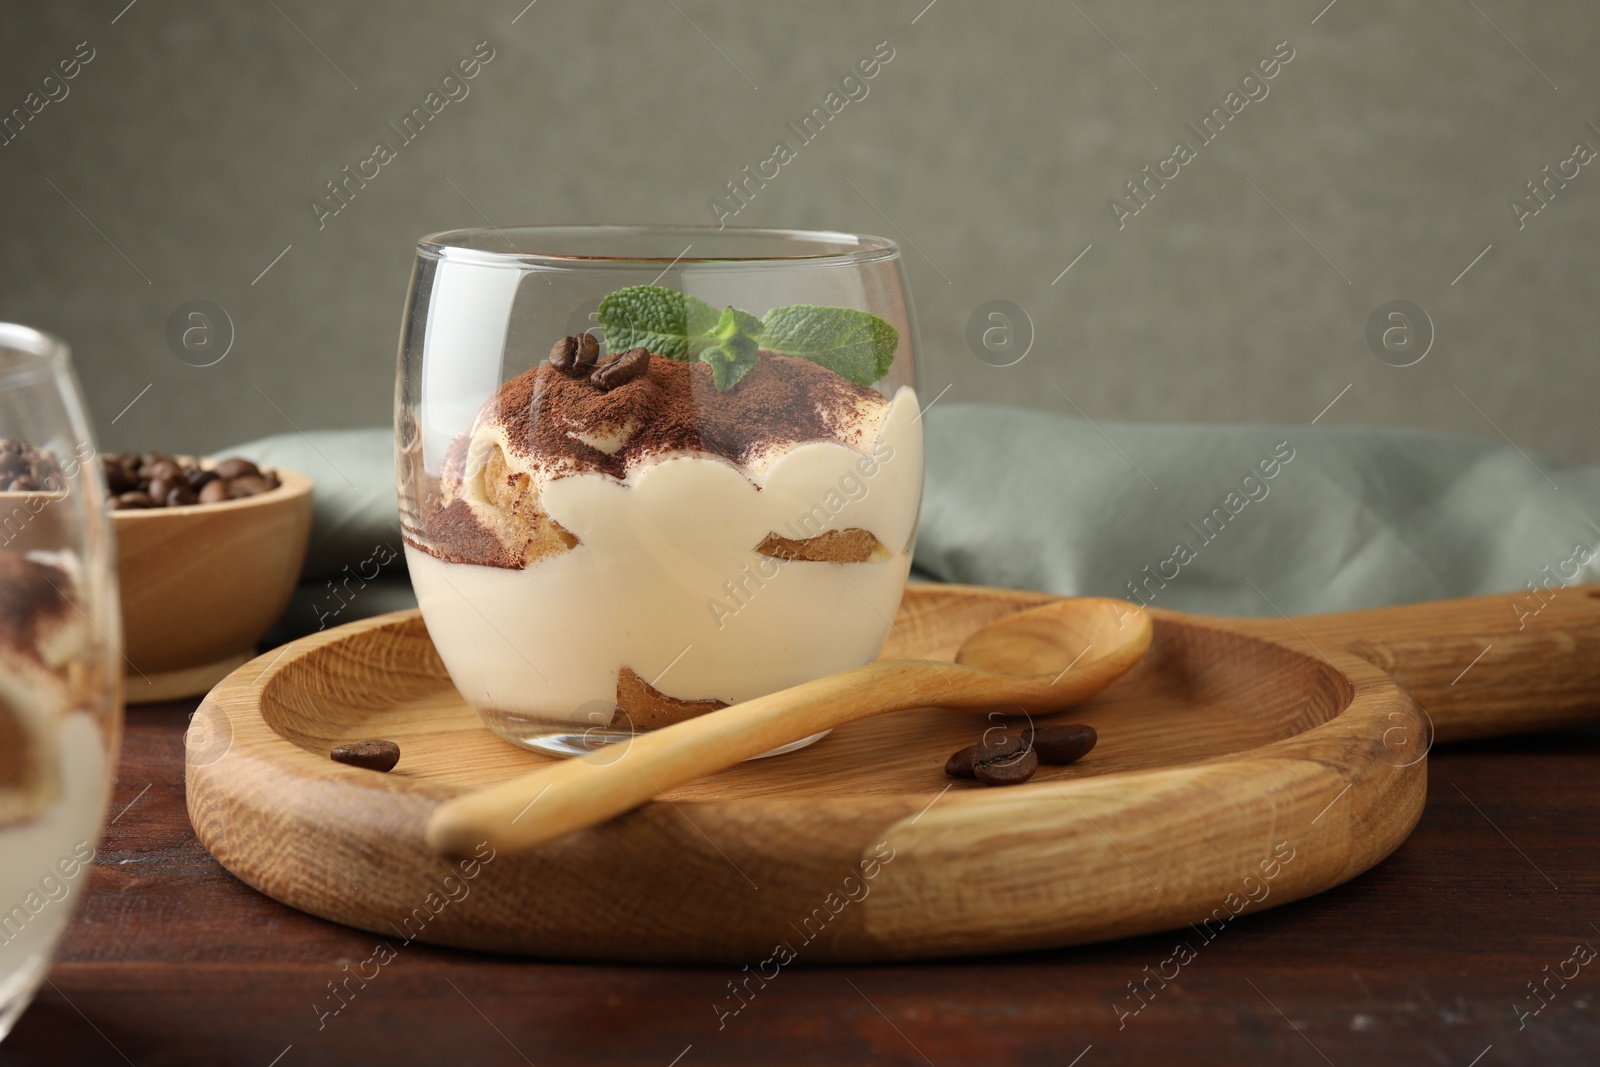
point(1041, 660)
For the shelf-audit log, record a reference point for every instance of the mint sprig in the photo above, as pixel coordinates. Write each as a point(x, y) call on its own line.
point(851, 343)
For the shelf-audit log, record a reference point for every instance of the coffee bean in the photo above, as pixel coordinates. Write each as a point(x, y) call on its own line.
point(235, 467)
point(12, 464)
point(1059, 743)
point(1011, 771)
point(156, 479)
point(620, 370)
point(22, 483)
point(959, 765)
point(118, 480)
point(575, 356)
point(373, 755)
point(163, 469)
point(997, 745)
point(246, 485)
point(998, 759)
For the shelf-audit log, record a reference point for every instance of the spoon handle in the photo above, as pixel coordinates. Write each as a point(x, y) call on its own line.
point(538, 807)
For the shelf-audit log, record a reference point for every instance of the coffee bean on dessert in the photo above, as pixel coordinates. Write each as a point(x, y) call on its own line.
point(620, 370)
point(236, 467)
point(246, 485)
point(135, 499)
point(959, 765)
point(575, 356)
point(214, 492)
point(373, 755)
point(1059, 743)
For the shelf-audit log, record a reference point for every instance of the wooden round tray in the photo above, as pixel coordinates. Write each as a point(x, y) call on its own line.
point(1240, 766)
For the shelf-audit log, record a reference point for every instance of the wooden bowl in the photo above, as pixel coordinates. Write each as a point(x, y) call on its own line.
point(202, 584)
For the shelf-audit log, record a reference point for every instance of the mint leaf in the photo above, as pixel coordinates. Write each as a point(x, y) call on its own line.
point(734, 322)
point(731, 359)
point(853, 344)
point(661, 320)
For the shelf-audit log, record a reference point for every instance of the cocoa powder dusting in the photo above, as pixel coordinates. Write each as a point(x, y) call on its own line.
point(454, 534)
point(30, 594)
point(673, 407)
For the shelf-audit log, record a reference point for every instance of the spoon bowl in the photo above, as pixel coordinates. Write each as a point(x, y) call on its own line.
point(1044, 659)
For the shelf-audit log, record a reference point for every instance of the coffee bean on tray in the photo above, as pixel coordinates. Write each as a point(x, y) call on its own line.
point(575, 356)
point(959, 765)
point(1059, 743)
point(374, 755)
point(1010, 770)
point(998, 759)
point(620, 370)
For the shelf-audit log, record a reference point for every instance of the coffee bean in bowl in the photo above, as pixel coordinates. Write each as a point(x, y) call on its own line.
point(156, 480)
point(26, 469)
point(199, 585)
point(209, 554)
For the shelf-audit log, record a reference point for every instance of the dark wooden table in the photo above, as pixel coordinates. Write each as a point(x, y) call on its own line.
point(1427, 959)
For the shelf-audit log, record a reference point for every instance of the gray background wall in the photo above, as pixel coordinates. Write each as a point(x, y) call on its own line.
point(182, 161)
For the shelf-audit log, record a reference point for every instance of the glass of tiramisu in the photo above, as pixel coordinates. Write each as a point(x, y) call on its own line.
point(60, 672)
point(648, 472)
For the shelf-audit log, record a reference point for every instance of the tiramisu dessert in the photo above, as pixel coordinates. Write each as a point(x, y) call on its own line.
point(721, 507)
point(53, 753)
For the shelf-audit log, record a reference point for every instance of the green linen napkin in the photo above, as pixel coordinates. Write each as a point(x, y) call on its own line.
point(1225, 520)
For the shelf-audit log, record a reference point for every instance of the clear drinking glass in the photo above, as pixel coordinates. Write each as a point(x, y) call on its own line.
point(605, 540)
point(60, 673)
